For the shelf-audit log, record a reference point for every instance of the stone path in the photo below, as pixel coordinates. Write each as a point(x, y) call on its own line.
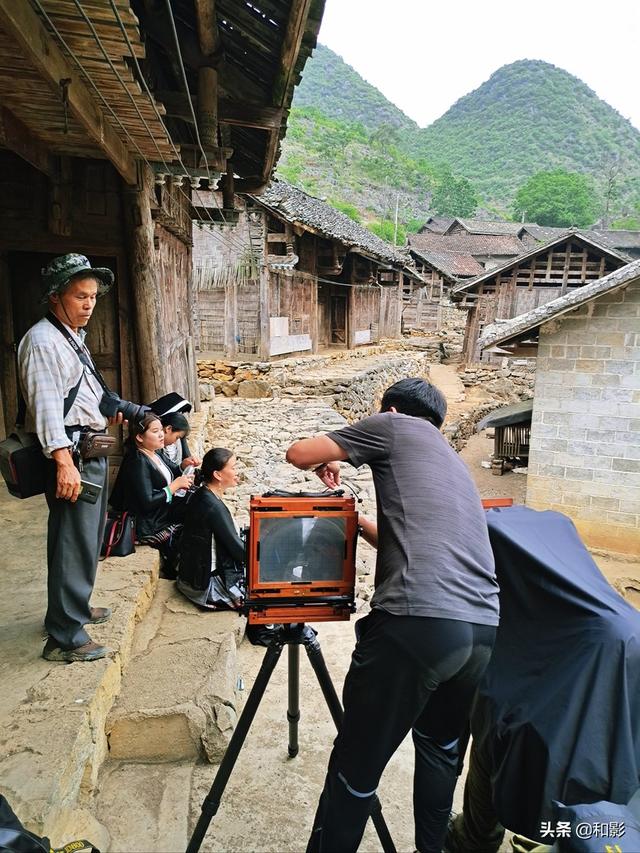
point(269, 803)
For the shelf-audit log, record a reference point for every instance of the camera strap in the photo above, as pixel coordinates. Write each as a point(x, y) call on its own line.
point(81, 351)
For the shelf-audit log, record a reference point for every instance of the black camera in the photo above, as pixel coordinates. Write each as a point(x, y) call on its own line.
point(111, 404)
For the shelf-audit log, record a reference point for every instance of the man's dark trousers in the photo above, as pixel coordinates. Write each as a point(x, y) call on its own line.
point(407, 673)
point(74, 537)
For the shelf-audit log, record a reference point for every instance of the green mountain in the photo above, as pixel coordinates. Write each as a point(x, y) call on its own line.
point(339, 92)
point(528, 117)
point(348, 143)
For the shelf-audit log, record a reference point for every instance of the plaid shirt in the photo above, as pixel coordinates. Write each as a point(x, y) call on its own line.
point(49, 369)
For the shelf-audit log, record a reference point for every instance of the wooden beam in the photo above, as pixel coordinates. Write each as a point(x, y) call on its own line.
point(21, 23)
point(17, 137)
point(290, 50)
point(229, 111)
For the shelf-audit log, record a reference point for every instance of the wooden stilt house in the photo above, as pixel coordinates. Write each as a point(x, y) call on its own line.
point(296, 275)
point(542, 274)
point(114, 116)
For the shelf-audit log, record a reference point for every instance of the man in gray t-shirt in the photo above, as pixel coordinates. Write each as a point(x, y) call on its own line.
point(422, 650)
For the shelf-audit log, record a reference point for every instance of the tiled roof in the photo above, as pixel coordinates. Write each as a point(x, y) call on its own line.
point(496, 227)
point(611, 237)
point(437, 224)
point(506, 330)
point(541, 247)
point(452, 264)
point(296, 206)
point(471, 244)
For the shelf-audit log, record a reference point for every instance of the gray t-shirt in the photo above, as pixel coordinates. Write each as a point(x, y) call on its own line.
point(434, 557)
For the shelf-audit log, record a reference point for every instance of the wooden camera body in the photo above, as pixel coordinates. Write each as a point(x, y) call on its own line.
point(301, 559)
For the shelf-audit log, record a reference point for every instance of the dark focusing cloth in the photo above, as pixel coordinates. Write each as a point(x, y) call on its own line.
point(558, 709)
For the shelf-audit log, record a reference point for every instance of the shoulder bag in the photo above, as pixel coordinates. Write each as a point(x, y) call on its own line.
point(119, 535)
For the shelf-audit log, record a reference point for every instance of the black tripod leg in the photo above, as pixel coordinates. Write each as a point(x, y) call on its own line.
point(212, 800)
point(316, 659)
point(293, 710)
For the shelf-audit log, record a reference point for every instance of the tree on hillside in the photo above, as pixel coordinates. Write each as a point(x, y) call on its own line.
point(557, 198)
point(454, 197)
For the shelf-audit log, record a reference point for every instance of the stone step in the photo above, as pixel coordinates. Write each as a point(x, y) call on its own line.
point(177, 700)
point(53, 739)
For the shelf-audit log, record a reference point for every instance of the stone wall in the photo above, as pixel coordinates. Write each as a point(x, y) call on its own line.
point(311, 375)
point(514, 381)
point(585, 437)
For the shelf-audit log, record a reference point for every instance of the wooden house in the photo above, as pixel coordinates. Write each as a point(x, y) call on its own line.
point(489, 250)
point(440, 271)
point(584, 445)
point(113, 117)
point(540, 275)
point(295, 275)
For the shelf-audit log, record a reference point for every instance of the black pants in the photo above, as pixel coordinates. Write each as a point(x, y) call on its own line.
point(407, 672)
point(74, 537)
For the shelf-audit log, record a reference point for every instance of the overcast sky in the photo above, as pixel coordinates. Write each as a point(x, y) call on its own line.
point(425, 54)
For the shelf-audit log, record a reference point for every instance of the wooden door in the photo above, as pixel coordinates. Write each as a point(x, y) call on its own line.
point(339, 319)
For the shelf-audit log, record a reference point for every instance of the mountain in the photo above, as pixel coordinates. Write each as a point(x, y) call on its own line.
point(340, 93)
point(348, 143)
point(528, 117)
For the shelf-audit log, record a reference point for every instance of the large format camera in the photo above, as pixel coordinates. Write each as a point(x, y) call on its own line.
point(301, 552)
point(111, 404)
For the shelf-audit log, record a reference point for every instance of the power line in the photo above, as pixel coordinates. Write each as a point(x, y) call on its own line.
point(108, 107)
point(143, 80)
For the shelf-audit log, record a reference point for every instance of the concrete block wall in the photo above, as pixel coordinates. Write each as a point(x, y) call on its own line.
point(585, 437)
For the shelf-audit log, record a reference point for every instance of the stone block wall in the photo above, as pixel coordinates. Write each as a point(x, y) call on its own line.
point(585, 436)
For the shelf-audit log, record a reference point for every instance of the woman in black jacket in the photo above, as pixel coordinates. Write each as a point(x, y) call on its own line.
point(146, 486)
point(211, 551)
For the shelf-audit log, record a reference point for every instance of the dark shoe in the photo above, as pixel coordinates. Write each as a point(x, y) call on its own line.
point(89, 651)
point(99, 615)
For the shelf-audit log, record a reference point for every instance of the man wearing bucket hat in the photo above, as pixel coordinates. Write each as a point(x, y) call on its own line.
point(54, 380)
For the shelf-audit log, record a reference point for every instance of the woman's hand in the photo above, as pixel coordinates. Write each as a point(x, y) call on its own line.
point(190, 460)
point(185, 481)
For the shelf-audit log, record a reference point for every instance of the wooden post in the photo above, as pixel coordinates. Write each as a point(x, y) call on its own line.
point(228, 188)
point(208, 106)
point(60, 198)
point(264, 348)
point(565, 271)
point(146, 290)
point(8, 373)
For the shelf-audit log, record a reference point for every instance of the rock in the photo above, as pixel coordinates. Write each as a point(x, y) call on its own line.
point(229, 389)
point(207, 392)
point(254, 389)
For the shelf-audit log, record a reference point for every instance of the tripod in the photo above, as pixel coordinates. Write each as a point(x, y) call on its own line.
point(292, 636)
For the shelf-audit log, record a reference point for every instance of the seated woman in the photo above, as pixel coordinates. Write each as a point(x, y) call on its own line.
point(176, 429)
point(211, 551)
point(146, 485)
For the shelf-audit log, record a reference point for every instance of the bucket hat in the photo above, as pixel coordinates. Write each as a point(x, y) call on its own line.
point(63, 268)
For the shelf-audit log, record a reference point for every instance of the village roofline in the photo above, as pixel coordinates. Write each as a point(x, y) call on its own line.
point(485, 245)
point(542, 247)
point(508, 330)
point(434, 259)
point(316, 216)
point(489, 227)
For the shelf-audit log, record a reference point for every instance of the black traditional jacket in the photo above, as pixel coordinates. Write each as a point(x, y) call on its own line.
point(140, 489)
point(208, 518)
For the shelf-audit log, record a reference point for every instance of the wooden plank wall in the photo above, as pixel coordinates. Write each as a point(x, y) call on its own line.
point(365, 312)
point(534, 282)
point(390, 312)
point(293, 295)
